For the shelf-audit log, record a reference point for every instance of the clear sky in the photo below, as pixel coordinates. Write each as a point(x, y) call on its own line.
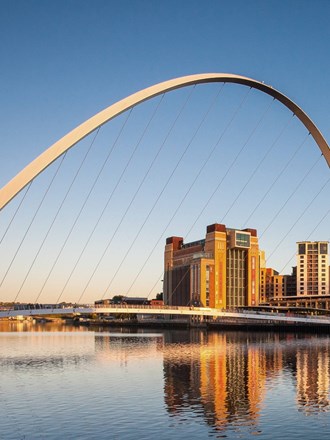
point(63, 61)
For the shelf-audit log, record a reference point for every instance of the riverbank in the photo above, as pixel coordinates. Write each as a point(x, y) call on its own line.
point(277, 326)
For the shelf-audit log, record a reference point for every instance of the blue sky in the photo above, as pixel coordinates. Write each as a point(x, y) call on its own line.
point(63, 61)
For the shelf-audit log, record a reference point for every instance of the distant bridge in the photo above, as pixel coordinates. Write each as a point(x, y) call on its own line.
point(242, 316)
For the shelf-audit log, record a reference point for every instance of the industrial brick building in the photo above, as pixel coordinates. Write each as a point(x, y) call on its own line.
point(220, 270)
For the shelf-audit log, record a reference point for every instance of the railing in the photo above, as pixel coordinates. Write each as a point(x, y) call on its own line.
point(239, 314)
point(141, 306)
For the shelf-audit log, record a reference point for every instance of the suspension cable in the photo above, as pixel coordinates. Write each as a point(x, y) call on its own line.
point(191, 186)
point(258, 166)
point(276, 179)
point(284, 128)
point(179, 283)
point(81, 209)
point(291, 195)
point(109, 199)
point(166, 137)
point(90, 192)
point(88, 195)
point(223, 177)
point(176, 287)
point(155, 284)
point(54, 219)
point(71, 184)
point(32, 220)
point(16, 211)
point(310, 234)
point(300, 216)
point(163, 189)
point(61, 206)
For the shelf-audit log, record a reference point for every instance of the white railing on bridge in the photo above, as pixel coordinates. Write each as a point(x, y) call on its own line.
point(239, 315)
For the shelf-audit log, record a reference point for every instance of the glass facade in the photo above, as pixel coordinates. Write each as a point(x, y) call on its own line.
point(242, 240)
point(236, 278)
point(207, 286)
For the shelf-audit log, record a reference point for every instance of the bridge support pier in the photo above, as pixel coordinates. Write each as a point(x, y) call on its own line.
point(197, 321)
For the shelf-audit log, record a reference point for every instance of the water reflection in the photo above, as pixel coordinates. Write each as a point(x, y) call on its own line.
point(185, 383)
point(313, 377)
point(29, 347)
point(29, 326)
point(127, 347)
point(226, 375)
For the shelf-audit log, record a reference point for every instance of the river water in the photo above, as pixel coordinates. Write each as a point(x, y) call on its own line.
point(62, 382)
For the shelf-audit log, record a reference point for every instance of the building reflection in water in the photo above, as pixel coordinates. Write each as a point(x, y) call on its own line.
point(224, 377)
point(313, 377)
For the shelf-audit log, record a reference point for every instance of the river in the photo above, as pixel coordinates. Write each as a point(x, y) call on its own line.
point(66, 382)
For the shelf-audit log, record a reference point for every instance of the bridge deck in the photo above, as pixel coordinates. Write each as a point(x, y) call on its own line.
point(166, 310)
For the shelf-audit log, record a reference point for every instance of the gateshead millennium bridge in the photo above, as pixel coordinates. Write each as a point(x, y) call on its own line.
point(201, 313)
point(59, 148)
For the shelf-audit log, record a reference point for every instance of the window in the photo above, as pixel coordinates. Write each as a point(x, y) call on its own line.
point(242, 240)
point(323, 248)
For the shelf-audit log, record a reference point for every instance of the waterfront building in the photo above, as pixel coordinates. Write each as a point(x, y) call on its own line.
point(320, 302)
point(220, 270)
point(312, 268)
point(290, 283)
point(272, 285)
point(308, 285)
point(262, 281)
point(133, 300)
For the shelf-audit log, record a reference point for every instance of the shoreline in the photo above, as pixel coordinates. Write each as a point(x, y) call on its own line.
point(208, 326)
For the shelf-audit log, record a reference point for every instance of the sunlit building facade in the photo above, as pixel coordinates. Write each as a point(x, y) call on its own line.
point(312, 268)
point(220, 271)
point(272, 285)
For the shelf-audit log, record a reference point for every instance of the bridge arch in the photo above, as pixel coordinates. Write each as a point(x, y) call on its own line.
point(24, 177)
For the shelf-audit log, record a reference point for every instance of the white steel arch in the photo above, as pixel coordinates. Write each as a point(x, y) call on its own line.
point(14, 186)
